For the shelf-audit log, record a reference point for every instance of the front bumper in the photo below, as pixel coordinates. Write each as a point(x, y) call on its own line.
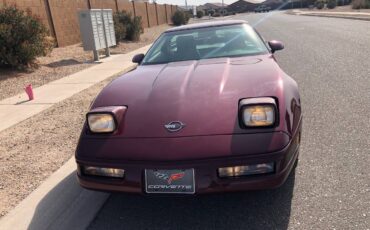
point(206, 176)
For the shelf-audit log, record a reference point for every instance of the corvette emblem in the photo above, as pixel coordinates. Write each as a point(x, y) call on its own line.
point(174, 126)
point(169, 178)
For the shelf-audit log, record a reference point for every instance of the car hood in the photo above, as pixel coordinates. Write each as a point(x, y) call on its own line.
point(203, 95)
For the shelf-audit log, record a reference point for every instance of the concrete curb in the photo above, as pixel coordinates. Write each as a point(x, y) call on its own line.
point(328, 16)
point(58, 203)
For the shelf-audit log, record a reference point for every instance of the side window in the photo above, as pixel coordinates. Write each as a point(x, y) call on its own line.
point(157, 51)
point(173, 47)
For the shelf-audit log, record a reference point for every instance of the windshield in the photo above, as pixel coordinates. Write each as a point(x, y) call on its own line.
point(203, 43)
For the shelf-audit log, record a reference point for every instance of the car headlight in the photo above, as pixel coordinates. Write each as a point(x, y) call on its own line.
point(258, 112)
point(259, 115)
point(101, 122)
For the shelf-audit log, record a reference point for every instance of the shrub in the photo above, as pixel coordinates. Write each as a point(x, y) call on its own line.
point(135, 29)
point(188, 15)
point(127, 27)
point(331, 4)
point(319, 5)
point(121, 19)
point(23, 37)
point(200, 14)
point(361, 4)
point(216, 15)
point(211, 12)
point(121, 32)
point(180, 18)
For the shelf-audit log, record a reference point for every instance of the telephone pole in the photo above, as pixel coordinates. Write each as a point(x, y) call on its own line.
point(223, 9)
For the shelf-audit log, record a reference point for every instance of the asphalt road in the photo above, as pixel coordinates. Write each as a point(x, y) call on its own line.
point(330, 59)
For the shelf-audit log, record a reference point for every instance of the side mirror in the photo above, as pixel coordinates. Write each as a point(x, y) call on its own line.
point(138, 58)
point(275, 45)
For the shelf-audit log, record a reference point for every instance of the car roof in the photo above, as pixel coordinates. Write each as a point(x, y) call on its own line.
point(207, 24)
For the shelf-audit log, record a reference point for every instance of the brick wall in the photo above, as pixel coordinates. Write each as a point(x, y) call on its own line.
point(37, 7)
point(173, 9)
point(103, 4)
point(61, 16)
point(169, 14)
point(140, 10)
point(162, 17)
point(152, 14)
point(65, 18)
point(125, 5)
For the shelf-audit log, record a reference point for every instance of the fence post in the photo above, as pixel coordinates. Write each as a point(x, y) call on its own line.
point(116, 1)
point(147, 14)
point(133, 7)
point(165, 11)
point(52, 26)
point(89, 4)
point(156, 13)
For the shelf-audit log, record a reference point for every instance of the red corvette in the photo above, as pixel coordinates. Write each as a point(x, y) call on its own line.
point(207, 110)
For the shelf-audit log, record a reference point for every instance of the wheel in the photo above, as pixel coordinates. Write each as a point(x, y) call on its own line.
point(299, 145)
point(295, 164)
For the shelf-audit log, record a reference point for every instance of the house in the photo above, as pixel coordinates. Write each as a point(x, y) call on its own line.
point(241, 6)
point(249, 5)
point(210, 8)
point(277, 4)
point(185, 8)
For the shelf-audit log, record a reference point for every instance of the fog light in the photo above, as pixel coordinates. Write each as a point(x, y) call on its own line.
point(107, 172)
point(246, 170)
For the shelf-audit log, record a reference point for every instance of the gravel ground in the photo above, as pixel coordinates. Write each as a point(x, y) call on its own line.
point(31, 150)
point(63, 62)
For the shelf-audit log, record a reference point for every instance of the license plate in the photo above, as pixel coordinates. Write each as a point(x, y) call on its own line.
point(170, 181)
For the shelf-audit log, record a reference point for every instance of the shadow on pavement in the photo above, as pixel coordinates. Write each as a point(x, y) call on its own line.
point(269, 209)
point(64, 62)
point(67, 206)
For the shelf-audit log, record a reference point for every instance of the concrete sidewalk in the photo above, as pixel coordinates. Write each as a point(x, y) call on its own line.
point(16, 109)
point(334, 14)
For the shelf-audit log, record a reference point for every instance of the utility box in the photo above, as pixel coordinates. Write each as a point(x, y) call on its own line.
point(109, 27)
point(97, 30)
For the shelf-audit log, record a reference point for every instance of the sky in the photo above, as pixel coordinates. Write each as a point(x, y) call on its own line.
point(192, 2)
